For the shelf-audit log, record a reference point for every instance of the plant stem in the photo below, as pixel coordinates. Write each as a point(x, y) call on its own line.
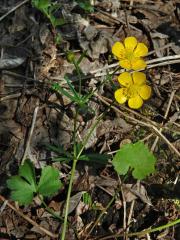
point(49, 210)
point(79, 75)
point(144, 232)
point(73, 171)
point(99, 217)
point(68, 199)
point(71, 180)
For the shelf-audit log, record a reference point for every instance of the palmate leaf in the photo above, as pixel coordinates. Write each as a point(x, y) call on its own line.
point(136, 157)
point(23, 186)
point(21, 191)
point(27, 171)
point(49, 182)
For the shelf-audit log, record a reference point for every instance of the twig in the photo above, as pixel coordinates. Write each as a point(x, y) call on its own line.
point(15, 95)
point(124, 206)
point(30, 135)
point(165, 116)
point(99, 217)
point(20, 213)
point(13, 9)
point(144, 232)
point(163, 61)
point(141, 123)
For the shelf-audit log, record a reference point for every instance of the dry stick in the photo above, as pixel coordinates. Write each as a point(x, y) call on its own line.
point(141, 123)
point(98, 72)
point(99, 217)
point(13, 9)
point(175, 59)
point(15, 95)
point(131, 212)
point(124, 206)
point(142, 117)
point(163, 63)
point(133, 112)
point(160, 48)
point(165, 116)
point(30, 135)
point(20, 213)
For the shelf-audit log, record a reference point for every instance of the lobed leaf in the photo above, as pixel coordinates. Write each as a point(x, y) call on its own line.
point(136, 157)
point(49, 182)
point(21, 191)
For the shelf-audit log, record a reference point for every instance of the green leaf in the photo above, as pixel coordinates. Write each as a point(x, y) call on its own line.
point(95, 157)
point(76, 94)
point(23, 186)
point(57, 21)
point(41, 4)
point(61, 159)
point(27, 171)
point(59, 89)
point(21, 191)
point(85, 4)
point(86, 198)
point(136, 157)
point(59, 150)
point(49, 182)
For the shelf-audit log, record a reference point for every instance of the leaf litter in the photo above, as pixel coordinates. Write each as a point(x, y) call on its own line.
point(30, 60)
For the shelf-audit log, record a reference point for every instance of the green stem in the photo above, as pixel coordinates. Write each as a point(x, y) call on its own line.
point(169, 224)
point(73, 172)
point(79, 75)
point(89, 135)
point(144, 232)
point(71, 181)
point(68, 199)
point(49, 210)
point(100, 216)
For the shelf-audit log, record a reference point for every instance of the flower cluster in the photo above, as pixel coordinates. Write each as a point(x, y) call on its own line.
point(134, 88)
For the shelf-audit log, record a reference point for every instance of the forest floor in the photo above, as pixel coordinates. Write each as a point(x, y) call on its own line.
point(37, 121)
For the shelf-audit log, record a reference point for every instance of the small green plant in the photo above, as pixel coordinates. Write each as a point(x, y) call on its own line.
point(48, 8)
point(73, 95)
point(86, 5)
point(86, 198)
point(81, 100)
point(65, 156)
point(24, 186)
point(135, 157)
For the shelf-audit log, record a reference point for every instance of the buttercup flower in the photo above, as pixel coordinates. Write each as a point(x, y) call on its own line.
point(130, 53)
point(134, 89)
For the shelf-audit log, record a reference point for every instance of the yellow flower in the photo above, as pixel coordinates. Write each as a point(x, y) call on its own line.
point(130, 53)
point(134, 89)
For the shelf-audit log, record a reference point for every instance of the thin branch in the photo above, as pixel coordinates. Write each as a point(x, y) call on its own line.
point(30, 135)
point(27, 218)
point(152, 127)
point(13, 9)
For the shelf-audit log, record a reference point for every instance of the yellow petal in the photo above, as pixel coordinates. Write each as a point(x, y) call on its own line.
point(141, 50)
point(145, 92)
point(138, 64)
point(120, 95)
point(125, 79)
point(130, 43)
point(125, 63)
point(118, 50)
point(139, 78)
point(135, 102)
